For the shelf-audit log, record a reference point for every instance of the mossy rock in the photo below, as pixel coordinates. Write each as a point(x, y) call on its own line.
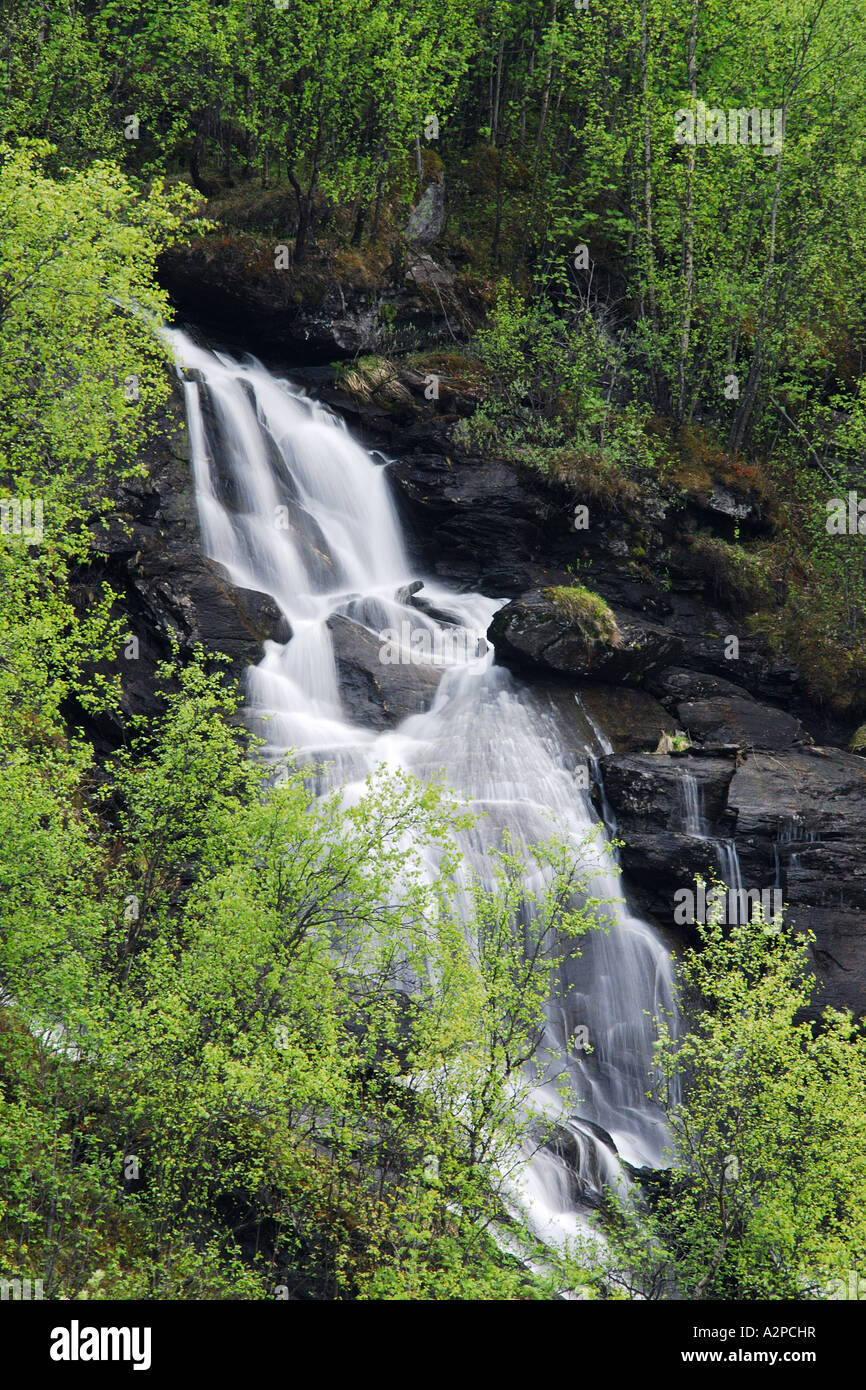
point(858, 741)
point(587, 611)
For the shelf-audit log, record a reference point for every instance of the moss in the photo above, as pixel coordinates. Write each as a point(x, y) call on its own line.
point(593, 475)
point(738, 577)
point(373, 379)
point(587, 611)
point(858, 740)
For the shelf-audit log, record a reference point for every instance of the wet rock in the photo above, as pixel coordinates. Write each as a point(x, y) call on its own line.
point(659, 863)
point(732, 719)
point(376, 694)
point(221, 616)
point(534, 630)
point(809, 791)
point(632, 719)
point(645, 791)
point(467, 515)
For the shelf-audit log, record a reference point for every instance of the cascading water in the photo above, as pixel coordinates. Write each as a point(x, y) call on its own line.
point(290, 505)
point(694, 820)
point(695, 823)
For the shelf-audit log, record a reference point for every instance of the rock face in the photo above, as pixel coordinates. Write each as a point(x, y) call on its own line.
point(798, 820)
point(150, 554)
point(735, 719)
point(818, 791)
point(631, 719)
point(646, 790)
point(249, 292)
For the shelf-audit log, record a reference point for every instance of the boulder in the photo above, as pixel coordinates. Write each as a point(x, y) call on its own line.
point(376, 694)
point(536, 631)
point(674, 684)
point(427, 216)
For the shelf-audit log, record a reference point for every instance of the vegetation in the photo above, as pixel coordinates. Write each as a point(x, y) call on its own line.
point(211, 1085)
point(587, 611)
point(767, 1195)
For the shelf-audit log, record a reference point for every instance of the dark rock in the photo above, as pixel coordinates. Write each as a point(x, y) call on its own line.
point(817, 791)
point(766, 678)
point(467, 514)
point(374, 693)
point(658, 864)
point(674, 684)
point(731, 511)
point(219, 615)
point(732, 719)
point(631, 719)
point(534, 630)
point(307, 314)
point(405, 594)
point(646, 790)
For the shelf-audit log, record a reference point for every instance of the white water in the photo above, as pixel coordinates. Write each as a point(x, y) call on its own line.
point(290, 505)
point(695, 823)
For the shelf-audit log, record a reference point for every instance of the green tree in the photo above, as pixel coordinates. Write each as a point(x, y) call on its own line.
point(766, 1197)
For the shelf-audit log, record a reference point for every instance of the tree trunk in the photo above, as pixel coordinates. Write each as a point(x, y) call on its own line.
point(494, 112)
point(648, 255)
point(419, 163)
point(201, 183)
point(747, 405)
point(688, 228)
point(305, 211)
point(361, 218)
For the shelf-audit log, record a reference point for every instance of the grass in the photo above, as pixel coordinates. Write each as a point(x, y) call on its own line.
point(587, 611)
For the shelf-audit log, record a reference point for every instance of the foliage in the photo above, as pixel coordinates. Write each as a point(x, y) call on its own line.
point(766, 1198)
point(275, 1020)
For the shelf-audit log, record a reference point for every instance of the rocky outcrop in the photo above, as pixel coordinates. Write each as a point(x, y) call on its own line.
point(247, 290)
point(536, 631)
point(646, 791)
point(739, 720)
point(796, 813)
point(428, 215)
point(167, 590)
point(798, 820)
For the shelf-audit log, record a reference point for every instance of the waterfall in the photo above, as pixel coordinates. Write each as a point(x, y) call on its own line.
point(290, 505)
point(695, 823)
